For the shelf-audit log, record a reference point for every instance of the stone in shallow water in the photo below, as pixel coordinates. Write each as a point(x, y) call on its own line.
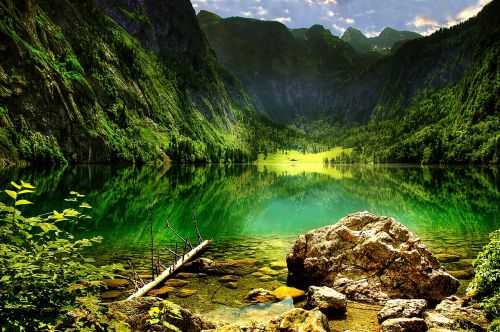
point(462, 274)
point(378, 249)
point(326, 299)
point(278, 265)
point(284, 291)
point(185, 292)
point(186, 275)
point(231, 285)
point(261, 295)
point(258, 274)
point(447, 258)
point(268, 271)
point(403, 325)
point(175, 283)
point(228, 278)
point(116, 283)
point(111, 294)
point(266, 278)
point(402, 309)
point(165, 290)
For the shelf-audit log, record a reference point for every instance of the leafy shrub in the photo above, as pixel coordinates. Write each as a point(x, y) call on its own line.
point(45, 280)
point(486, 283)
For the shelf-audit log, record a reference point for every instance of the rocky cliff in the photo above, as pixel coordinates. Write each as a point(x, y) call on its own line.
point(113, 80)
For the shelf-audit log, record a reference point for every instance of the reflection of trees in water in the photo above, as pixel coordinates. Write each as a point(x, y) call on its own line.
point(449, 200)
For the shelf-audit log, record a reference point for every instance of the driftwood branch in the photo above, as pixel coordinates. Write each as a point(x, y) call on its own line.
point(165, 274)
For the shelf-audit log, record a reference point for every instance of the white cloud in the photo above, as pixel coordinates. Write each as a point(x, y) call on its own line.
point(282, 19)
point(467, 13)
point(339, 28)
point(350, 20)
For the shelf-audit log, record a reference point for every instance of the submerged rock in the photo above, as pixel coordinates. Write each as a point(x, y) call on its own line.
point(165, 290)
point(261, 295)
point(379, 250)
point(111, 294)
point(136, 313)
point(402, 309)
point(284, 292)
point(403, 325)
point(230, 266)
point(116, 283)
point(175, 283)
point(185, 292)
point(435, 320)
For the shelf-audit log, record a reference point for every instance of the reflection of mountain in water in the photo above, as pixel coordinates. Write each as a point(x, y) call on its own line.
point(246, 201)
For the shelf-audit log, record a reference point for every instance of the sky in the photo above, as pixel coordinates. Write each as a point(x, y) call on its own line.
point(369, 16)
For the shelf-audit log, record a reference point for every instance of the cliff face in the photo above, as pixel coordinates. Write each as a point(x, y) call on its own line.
point(306, 72)
point(112, 80)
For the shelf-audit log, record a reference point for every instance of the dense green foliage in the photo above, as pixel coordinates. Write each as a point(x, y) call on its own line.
point(44, 277)
point(486, 283)
point(78, 87)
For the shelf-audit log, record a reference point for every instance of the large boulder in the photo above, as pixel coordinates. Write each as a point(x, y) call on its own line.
point(380, 250)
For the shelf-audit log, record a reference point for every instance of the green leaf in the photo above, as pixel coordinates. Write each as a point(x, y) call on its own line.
point(86, 206)
point(27, 185)
point(70, 199)
point(25, 192)
point(15, 185)
point(46, 227)
point(23, 202)
point(73, 193)
point(11, 193)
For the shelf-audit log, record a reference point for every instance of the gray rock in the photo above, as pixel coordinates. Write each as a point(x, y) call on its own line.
point(380, 250)
point(326, 299)
point(298, 320)
point(403, 325)
point(466, 317)
point(438, 321)
point(402, 309)
point(360, 290)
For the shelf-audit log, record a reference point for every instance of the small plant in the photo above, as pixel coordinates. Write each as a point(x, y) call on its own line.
point(45, 280)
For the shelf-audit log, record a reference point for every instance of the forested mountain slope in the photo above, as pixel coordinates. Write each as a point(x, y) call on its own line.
point(440, 99)
point(115, 80)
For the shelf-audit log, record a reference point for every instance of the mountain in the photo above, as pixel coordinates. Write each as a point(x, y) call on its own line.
point(439, 102)
point(291, 73)
point(115, 80)
point(381, 43)
point(431, 100)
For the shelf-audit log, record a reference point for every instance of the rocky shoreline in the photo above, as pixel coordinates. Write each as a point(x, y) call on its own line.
point(363, 258)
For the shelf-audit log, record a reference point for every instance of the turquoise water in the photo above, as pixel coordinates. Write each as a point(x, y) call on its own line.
point(257, 211)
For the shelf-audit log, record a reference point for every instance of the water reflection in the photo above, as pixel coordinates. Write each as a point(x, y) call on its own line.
point(452, 209)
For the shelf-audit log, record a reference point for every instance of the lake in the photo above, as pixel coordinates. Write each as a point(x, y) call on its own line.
point(256, 211)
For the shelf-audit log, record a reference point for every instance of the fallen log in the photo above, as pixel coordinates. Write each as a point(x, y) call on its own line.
point(170, 270)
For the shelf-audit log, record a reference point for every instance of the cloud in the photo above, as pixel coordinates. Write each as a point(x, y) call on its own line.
point(282, 19)
point(339, 28)
point(350, 20)
point(467, 13)
point(423, 21)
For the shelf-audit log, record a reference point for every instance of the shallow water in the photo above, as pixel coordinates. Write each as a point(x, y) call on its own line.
point(257, 211)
